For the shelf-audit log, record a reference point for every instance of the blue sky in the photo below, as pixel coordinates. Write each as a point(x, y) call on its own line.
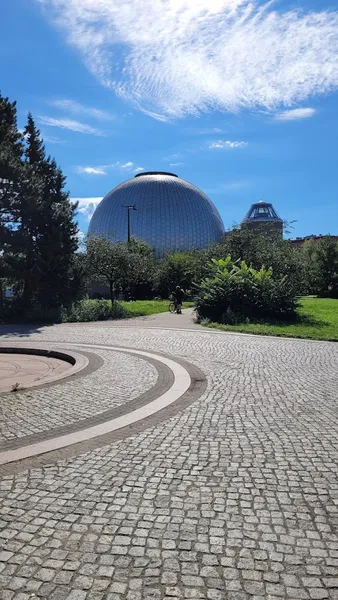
point(238, 97)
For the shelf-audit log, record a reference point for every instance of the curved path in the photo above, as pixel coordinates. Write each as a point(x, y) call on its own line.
point(233, 495)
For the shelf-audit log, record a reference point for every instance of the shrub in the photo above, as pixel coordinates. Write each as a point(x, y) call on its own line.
point(14, 313)
point(236, 293)
point(93, 310)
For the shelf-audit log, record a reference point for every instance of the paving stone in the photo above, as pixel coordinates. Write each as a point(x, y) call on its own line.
point(234, 497)
point(77, 595)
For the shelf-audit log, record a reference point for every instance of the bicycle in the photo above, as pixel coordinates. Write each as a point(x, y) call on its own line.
point(172, 307)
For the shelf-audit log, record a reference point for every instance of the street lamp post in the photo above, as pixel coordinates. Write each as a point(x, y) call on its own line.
point(129, 207)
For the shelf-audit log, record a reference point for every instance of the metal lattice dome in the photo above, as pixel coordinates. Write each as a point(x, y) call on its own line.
point(171, 214)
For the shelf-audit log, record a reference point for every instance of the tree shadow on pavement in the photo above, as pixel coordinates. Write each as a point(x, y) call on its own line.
point(21, 329)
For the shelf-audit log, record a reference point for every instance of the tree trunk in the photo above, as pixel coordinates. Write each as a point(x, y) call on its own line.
point(27, 292)
point(111, 289)
point(2, 304)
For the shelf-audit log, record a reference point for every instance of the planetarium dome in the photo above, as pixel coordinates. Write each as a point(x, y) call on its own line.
point(170, 214)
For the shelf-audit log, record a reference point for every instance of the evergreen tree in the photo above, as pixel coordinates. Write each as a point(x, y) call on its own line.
point(27, 213)
point(11, 150)
point(58, 241)
point(53, 230)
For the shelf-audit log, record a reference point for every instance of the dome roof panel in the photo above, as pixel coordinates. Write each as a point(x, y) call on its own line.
point(171, 213)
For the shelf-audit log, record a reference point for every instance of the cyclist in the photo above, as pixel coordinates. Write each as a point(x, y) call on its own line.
point(178, 296)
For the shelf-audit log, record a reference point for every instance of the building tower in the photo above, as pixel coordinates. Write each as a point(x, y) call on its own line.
point(262, 215)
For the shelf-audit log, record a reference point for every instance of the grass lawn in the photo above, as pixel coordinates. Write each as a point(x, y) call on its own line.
point(318, 321)
point(142, 308)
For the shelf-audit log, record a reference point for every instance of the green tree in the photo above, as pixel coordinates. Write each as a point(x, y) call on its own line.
point(321, 260)
point(185, 269)
point(46, 233)
point(265, 247)
point(11, 151)
point(137, 280)
point(123, 266)
point(26, 214)
point(58, 242)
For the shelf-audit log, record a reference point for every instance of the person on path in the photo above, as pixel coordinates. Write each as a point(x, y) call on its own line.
point(178, 296)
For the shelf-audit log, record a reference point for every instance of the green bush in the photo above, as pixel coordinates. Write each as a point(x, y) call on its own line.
point(93, 310)
point(235, 293)
point(15, 313)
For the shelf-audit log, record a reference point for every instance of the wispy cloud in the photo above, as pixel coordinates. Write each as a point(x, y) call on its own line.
point(207, 131)
point(127, 167)
point(70, 124)
point(295, 114)
point(52, 139)
point(91, 170)
point(173, 157)
point(221, 144)
point(229, 187)
point(87, 206)
point(177, 164)
point(192, 56)
point(79, 109)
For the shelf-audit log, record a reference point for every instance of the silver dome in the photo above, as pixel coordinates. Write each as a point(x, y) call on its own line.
point(171, 214)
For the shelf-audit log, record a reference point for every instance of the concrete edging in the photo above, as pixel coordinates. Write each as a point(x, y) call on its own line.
point(77, 363)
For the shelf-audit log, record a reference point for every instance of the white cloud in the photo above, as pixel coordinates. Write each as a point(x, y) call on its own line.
point(77, 108)
point(188, 56)
point(221, 144)
point(87, 206)
point(175, 157)
point(81, 236)
point(69, 124)
point(128, 167)
point(177, 164)
point(206, 131)
point(295, 114)
point(91, 170)
point(52, 139)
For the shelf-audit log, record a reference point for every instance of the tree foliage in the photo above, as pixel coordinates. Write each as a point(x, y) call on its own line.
point(185, 269)
point(321, 263)
point(38, 234)
point(123, 266)
point(265, 247)
point(235, 292)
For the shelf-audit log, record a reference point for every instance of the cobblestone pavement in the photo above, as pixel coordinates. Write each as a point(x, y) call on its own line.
point(234, 498)
point(25, 413)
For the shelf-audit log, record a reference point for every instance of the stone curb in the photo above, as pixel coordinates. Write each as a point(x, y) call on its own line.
point(77, 363)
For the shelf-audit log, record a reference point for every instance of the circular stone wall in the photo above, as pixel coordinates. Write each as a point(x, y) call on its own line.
point(22, 368)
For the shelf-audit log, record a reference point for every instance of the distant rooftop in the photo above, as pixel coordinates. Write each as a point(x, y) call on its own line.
point(262, 211)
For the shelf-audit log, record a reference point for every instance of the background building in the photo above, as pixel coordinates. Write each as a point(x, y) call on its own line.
point(261, 214)
point(170, 214)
